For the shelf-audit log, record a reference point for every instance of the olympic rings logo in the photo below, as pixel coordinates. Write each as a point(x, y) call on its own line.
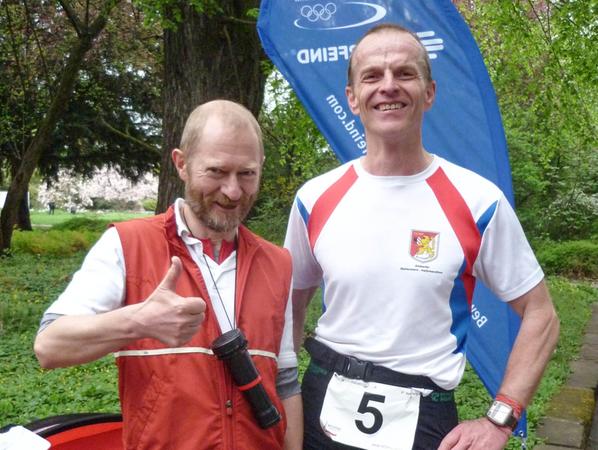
point(318, 12)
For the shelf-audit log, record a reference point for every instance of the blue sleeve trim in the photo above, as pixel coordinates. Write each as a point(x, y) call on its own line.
point(485, 218)
point(302, 211)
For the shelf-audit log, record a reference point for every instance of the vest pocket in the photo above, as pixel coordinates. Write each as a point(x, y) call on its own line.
point(142, 412)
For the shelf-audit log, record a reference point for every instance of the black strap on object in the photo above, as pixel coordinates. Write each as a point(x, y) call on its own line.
point(357, 369)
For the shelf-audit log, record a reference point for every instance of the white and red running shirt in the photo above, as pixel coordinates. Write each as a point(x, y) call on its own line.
point(397, 258)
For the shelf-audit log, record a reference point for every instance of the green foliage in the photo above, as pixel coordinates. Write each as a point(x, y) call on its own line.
point(169, 13)
point(83, 223)
point(44, 220)
point(91, 387)
point(149, 204)
point(269, 221)
point(67, 236)
point(116, 204)
point(41, 218)
point(113, 114)
point(295, 153)
point(541, 57)
point(253, 13)
point(576, 259)
point(53, 242)
point(28, 283)
point(573, 303)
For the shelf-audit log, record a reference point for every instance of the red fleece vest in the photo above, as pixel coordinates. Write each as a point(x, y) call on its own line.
point(184, 398)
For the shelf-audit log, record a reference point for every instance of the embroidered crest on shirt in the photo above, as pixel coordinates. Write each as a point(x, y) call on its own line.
point(424, 245)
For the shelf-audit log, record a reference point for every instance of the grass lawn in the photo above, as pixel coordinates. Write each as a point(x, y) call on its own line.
point(43, 219)
point(29, 282)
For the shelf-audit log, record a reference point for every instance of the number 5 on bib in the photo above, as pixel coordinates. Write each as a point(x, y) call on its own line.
point(370, 415)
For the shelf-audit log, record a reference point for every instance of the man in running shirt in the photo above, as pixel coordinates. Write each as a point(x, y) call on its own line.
point(396, 239)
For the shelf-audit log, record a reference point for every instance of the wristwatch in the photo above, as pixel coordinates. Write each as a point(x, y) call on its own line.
point(502, 415)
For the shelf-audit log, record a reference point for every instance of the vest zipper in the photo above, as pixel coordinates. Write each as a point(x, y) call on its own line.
point(228, 406)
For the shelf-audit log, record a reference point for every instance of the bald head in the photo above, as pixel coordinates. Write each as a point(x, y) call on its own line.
point(423, 61)
point(222, 113)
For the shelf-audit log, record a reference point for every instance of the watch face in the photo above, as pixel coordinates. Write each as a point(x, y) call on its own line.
point(501, 414)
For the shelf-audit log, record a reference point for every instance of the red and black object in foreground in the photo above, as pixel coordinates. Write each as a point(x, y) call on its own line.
point(89, 431)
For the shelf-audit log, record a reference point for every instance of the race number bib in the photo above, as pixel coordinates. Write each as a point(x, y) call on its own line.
point(370, 415)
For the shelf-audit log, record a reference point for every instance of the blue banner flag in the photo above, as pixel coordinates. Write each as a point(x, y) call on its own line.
point(310, 42)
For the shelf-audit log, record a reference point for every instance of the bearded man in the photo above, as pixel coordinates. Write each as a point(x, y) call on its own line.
point(157, 292)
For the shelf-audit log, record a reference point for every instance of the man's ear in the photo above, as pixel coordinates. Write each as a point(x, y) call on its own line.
point(178, 158)
point(430, 95)
point(352, 100)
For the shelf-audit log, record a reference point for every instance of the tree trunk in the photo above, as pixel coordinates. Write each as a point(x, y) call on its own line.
point(23, 218)
point(206, 57)
point(41, 141)
point(23, 221)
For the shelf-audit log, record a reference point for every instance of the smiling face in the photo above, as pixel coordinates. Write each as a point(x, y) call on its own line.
point(222, 176)
point(389, 90)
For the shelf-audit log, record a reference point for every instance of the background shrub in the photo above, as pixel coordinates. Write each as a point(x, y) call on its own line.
point(578, 259)
point(53, 242)
point(114, 204)
point(63, 239)
point(83, 224)
point(149, 204)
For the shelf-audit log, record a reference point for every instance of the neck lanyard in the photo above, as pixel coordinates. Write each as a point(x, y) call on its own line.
point(231, 323)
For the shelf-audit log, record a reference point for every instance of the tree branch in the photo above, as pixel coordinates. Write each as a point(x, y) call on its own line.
point(267, 130)
point(41, 140)
point(565, 75)
point(87, 13)
point(236, 20)
point(545, 32)
point(232, 55)
point(72, 16)
point(128, 137)
point(37, 43)
point(14, 49)
point(100, 22)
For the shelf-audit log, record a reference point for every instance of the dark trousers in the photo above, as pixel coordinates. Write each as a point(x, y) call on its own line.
point(437, 415)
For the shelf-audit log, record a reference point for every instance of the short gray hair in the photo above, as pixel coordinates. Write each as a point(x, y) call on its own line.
point(424, 61)
point(231, 114)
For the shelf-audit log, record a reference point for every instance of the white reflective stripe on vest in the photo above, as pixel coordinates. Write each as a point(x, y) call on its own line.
point(184, 350)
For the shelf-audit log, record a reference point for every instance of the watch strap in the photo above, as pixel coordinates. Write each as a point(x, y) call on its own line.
point(517, 407)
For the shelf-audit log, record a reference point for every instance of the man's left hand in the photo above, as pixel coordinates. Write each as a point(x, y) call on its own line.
point(480, 434)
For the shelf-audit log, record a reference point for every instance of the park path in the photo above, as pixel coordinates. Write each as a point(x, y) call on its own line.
point(572, 418)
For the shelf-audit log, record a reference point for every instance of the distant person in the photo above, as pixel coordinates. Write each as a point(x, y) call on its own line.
point(159, 291)
point(51, 207)
point(397, 239)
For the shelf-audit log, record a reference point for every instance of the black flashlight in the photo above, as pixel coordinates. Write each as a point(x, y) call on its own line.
point(231, 347)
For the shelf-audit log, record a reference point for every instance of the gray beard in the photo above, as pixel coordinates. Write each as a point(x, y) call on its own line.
point(216, 222)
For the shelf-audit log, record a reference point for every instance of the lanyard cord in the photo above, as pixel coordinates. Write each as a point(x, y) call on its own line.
point(218, 291)
point(212, 277)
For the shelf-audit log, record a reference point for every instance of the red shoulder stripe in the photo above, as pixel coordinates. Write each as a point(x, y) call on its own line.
point(326, 204)
point(462, 221)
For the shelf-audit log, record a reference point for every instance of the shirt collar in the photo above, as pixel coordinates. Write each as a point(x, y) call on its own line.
point(227, 247)
point(181, 227)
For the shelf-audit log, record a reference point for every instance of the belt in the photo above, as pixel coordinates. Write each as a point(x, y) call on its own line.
point(357, 369)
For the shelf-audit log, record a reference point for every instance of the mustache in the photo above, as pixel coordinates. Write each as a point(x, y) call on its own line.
point(223, 200)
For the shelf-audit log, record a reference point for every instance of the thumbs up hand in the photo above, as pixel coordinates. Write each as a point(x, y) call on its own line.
point(167, 316)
